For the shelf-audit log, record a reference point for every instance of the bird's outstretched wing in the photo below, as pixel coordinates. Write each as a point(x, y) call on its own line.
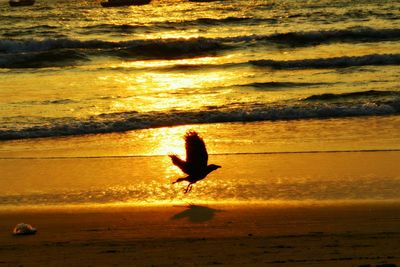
point(179, 163)
point(196, 152)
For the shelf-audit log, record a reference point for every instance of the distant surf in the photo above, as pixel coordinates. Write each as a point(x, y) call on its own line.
point(35, 53)
point(336, 62)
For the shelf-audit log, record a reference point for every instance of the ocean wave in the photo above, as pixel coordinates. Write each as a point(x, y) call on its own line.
point(222, 20)
point(35, 53)
point(364, 94)
point(107, 28)
point(169, 48)
point(43, 59)
point(47, 102)
point(32, 45)
point(327, 63)
point(277, 85)
point(354, 34)
point(65, 52)
point(129, 28)
point(235, 112)
point(227, 20)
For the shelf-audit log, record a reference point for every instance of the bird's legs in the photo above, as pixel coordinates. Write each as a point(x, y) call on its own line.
point(188, 188)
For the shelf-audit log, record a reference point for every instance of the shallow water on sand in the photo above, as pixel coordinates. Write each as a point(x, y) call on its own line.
point(262, 162)
point(261, 178)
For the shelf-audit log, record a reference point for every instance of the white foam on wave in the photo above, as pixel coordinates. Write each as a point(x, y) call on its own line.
point(361, 34)
point(335, 62)
point(125, 121)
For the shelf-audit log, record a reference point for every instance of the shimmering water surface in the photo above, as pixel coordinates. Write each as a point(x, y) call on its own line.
point(74, 67)
point(303, 76)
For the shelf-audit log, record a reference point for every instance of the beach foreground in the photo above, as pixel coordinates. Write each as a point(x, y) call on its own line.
point(346, 234)
point(298, 197)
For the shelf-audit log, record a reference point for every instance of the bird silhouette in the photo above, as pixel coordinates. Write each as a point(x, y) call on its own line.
point(195, 165)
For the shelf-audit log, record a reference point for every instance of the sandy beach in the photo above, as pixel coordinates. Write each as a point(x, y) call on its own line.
point(322, 208)
point(285, 116)
point(228, 235)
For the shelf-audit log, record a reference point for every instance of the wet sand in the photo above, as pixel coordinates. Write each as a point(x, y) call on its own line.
point(347, 234)
point(260, 209)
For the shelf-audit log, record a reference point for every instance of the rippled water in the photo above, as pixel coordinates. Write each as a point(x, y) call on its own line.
point(310, 161)
point(75, 67)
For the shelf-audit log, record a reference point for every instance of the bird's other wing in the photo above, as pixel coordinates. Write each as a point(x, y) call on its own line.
point(196, 152)
point(178, 162)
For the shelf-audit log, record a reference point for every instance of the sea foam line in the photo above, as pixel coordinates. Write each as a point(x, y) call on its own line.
point(358, 34)
point(125, 121)
point(213, 154)
point(335, 62)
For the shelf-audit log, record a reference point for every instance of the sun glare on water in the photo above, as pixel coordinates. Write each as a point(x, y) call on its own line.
point(169, 141)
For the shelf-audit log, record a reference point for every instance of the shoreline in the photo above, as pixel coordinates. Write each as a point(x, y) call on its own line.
point(221, 138)
point(213, 154)
point(265, 204)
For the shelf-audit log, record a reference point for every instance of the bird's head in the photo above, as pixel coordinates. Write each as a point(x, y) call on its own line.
point(213, 167)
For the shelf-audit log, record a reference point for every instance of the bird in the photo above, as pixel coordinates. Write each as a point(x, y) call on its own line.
point(195, 165)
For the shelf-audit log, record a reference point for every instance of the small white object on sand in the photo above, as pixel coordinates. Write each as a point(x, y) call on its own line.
point(24, 229)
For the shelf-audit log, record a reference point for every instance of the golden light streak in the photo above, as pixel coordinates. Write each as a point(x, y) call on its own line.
point(168, 63)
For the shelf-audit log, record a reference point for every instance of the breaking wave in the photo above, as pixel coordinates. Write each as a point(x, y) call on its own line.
point(28, 53)
point(125, 121)
point(354, 34)
point(365, 94)
point(44, 59)
point(278, 85)
point(32, 45)
point(59, 52)
point(327, 63)
point(129, 28)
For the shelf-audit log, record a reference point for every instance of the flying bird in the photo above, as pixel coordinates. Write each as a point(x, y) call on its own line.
point(195, 165)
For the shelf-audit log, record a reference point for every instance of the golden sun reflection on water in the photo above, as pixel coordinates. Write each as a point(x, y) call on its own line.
point(174, 81)
point(167, 141)
point(159, 91)
point(155, 81)
point(168, 63)
point(170, 141)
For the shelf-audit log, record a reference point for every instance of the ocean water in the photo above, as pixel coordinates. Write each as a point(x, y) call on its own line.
point(74, 67)
point(312, 68)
